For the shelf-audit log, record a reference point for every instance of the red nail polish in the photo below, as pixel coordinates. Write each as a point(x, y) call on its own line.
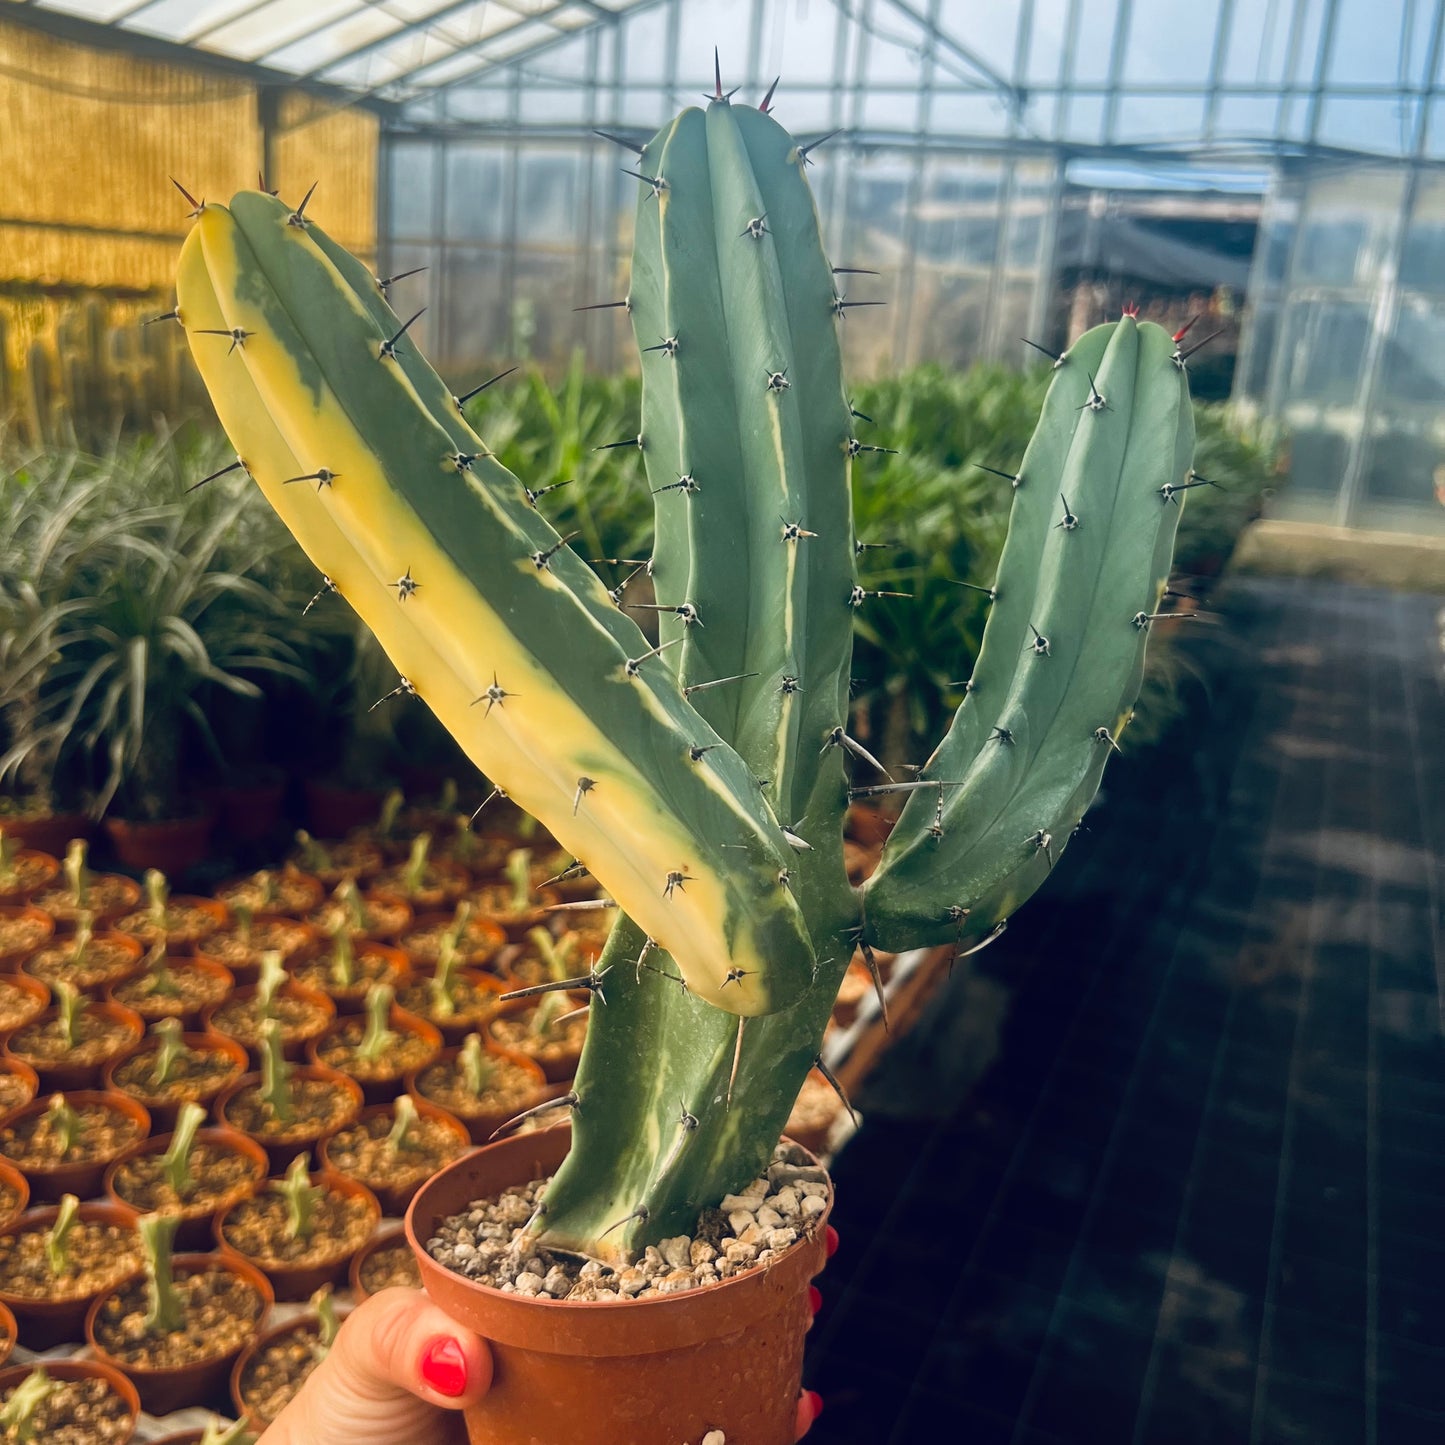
point(815, 1298)
point(830, 1241)
point(816, 1401)
point(444, 1367)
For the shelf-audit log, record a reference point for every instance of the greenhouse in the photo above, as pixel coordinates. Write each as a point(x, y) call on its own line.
point(711, 708)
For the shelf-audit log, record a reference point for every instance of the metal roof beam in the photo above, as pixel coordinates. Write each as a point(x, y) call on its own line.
point(940, 36)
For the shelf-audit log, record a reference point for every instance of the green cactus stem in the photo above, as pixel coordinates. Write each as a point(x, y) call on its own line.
point(477, 1070)
point(544, 1017)
point(63, 1123)
point(301, 1196)
point(466, 846)
point(165, 1309)
point(71, 1006)
point(176, 1161)
point(17, 1417)
point(518, 873)
point(83, 938)
point(77, 874)
point(169, 1050)
point(416, 864)
point(443, 983)
point(379, 1035)
point(342, 969)
point(159, 976)
point(57, 1248)
point(269, 982)
point(315, 857)
point(323, 1304)
point(447, 798)
point(403, 1131)
point(158, 896)
point(276, 1072)
point(460, 919)
point(391, 807)
point(222, 1432)
point(348, 895)
point(244, 920)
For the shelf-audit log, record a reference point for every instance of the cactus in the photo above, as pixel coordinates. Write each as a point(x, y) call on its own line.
point(269, 981)
point(323, 1302)
point(158, 976)
point(518, 873)
point(158, 896)
point(442, 984)
point(704, 779)
point(402, 1135)
point(348, 895)
point(276, 1072)
point(17, 1417)
point(342, 969)
point(165, 1309)
point(70, 1008)
point(301, 1196)
point(416, 864)
point(57, 1252)
point(378, 1035)
point(77, 872)
point(176, 1161)
point(63, 1122)
point(555, 953)
point(171, 1046)
point(478, 1070)
point(221, 1432)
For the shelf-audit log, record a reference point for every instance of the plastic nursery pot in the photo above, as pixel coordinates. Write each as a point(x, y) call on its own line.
point(333, 811)
point(81, 1177)
point(558, 1062)
point(165, 1104)
point(305, 1327)
point(483, 1121)
point(71, 1370)
point(43, 1322)
point(300, 1281)
point(195, 1230)
point(290, 937)
point(166, 1388)
point(172, 846)
point(34, 871)
point(112, 958)
point(725, 1357)
point(19, 1084)
point(206, 916)
point(236, 1019)
point(111, 896)
point(14, 1194)
point(494, 903)
point(48, 832)
point(201, 983)
point(22, 1000)
point(386, 1252)
point(72, 1071)
point(382, 1081)
point(283, 1144)
point(23, 931)
point(395, 1196)
point(375, 963)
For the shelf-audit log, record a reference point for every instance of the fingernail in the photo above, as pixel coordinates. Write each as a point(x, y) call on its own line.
point(444, 1367)
point(830, 1238)
point(815, 1298)
point(816, 1401)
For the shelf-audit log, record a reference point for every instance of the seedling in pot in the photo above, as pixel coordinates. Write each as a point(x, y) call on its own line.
point(477, 1070)
point(77, 873)
point(268, 984)
point(444, 981)
point(323, 1302)
point(244, 920)
point(9, 850)
point(342, 970)
point(276, 1073)
point(556, 953)
point(176, 1162)
point(549, 1014)
point(301, 1196)
point(158, 976)
point(63, 1124)
point(84, 934)
point(379, 1035)
point(416, 864)
point(17, 1418)
point(315, 857)
point(165, 1309)
point(402, 1134)
point(353, 906)
point(70, 1007)
point(391, 807)
point(169, 1050)
point(158, 896)
point(220, 1432)
point(519, 875)
point(57, 1251)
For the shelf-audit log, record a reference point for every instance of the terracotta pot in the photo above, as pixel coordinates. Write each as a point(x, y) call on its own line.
point(725, 1357)
point(65, 1074)
point(178, 943)
point(164, 1112)
point(17, 1184)
point(117, 942)
point(83, 1370)
point(84, 1177)
point(394, 1198)
point(37, 993)
point(301, 1281)
point(126, 894)
point(190, 1014)
point(353, 1000)
point(196, 1230)
point(41, 869)
point(173, 846)
point(383, 1091)
point(333, 811)
point(305, 891)
point(485, 1122)
point(29, 1081)
point(38, 920)
point(560, 1069)
point(49, 832)
point(308, 940)
point(164, 1390)
point(302, 1324)
point(282, 1152)
point(480, 943)
point(248, 814)
point(8, 1332)
point(454, 1030)
point(48, 1322)
point(295, 1049)
point(382, 1239)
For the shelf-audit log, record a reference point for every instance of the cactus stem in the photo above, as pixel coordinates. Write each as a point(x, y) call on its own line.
point(1057, 357)
point(1181, 358)
point(581, 905)
point(196, 206)
point(172, 315)
point(716, 682)
point(496, 791)
point(618, 140)
point(327, 585)
point(1040, 645)
point(1007, 476)
point(385, 283)
point(838, 738)
point(686, 484)
point(625, 442)
point(837, 1088)
point(405, 585)
point(1141, 620)
point(656, 182)
point(494, 696)
point(322, 478)
point(737, 1059)
point(1001, 735)
point(633, 665)
point(237, 334)
point(777, 380)
point(804, 153)
point(1103, 735)
point(625, 304)
point(757, 227)
point(642, 1214)
point(568, 1100)
point(404, 686)
point(668, 346)
point(466, 396)
point(584, 786)
point(533, 497)
point(1070, 522)
point(238, 463)
point(1043, 842)
point(297, 217)
point(388, 349)
point(854, 447)
point(675, 881)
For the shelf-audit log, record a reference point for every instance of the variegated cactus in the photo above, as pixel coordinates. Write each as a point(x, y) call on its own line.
point(704, 780)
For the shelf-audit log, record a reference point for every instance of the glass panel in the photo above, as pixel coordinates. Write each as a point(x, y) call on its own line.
point(476, 190)
point(1046, 43)
point(966, 113)
point(479, 102)
point(1405, 460)
point(1245, 116)
point(1096, 40)
point(1347, 228)
point(412, 173)
point(1085, 119)
point(798, 41)
point(1414, 364)
point(1383, 126)
point(473, 292)
point(1324, 342)
point(725, 24)
point(1171, 44)
point(1366, 45)
point(1422, 266)
point(644, 106)
point(553, 105)
point(1158, 118)
point(1255, 51)
point(644, 44)
point(895, 110)
point(547, 196)
point(1317, 457)
point(1261, 328)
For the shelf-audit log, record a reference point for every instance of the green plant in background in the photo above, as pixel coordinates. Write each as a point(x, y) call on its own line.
point(170, 1049)
point(176, 1161)
point(276, 1071)
point(222, 1432)
point(63, 1123)
point(477, 1069)
point(301, 1198)
point(57, 1248)
point(17, 1416)
point(165, 1308)
point(378, 1035)
point(704, 779)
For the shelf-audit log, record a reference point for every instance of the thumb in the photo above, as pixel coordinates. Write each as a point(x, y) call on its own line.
point(399, 1339)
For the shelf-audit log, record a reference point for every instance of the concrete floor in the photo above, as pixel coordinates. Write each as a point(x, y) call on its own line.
point(1183, 1129)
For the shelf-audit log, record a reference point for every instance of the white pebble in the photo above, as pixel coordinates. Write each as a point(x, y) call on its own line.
point(529, 1283)
point(675, 1282)
point(701, 1252)
point(556, 1283)
point(714, 1437)
point(785, 1201)
point(813, 1205)
point(739, 1220)
point(738, 1253)
point(738, 1201)
point(677, 1251)
point(769, 1218)
point(781, 1238)
point(753, 1234)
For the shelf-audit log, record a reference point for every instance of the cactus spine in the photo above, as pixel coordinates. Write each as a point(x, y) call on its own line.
point(704, 781)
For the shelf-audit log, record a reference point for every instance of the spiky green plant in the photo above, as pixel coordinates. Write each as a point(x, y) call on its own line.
point(17, 1417)
point(301, 1197)
point(57, 1248)
point(165, 1306)
point(703, 778)
point(176, 1161)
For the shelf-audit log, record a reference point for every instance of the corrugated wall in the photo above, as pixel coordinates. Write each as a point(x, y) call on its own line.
point(90, 223)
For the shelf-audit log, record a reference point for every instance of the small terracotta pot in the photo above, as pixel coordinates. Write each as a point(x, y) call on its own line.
point(308, 886)
point(485, 1122)
point(190, 1015)
point(9, 1330)
point(333, 810)
point(178, 943)
point(454, 1030)
point(373, 931)
point(301, 1281)
point(383, 1091)
point(195, 1230)
point(394, 1198)
point(282, 1152)
point(725, 1357)
point(353, 1000)
point(295, 1048)
point(34, 990)
point(127, 898)
point(301, 1325)
point(38, 919)
point(162, 1391)
point(517, 925)
point(560, 1069)
point(383, 1239)
point(248, 971)
point(66, 1075)
point(48, 1322)
point(83, 1178)
point(480, 943)
point(14, 1180)
point(42, 869)
point(165, 1112)
point(173, 846)
point(50, 832)
point(12, 1375)
point(120, 942)
point(29, 1081)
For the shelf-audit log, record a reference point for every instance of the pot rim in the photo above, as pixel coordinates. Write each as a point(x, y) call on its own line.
point(218, 1134)
point(108, 1098)
point(73, 1369)
point(334, 1182)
